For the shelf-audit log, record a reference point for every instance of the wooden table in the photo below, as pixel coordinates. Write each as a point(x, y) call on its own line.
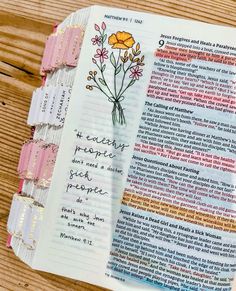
point(24, 26)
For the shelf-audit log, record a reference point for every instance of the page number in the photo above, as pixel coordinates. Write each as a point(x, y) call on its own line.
point(161, 43)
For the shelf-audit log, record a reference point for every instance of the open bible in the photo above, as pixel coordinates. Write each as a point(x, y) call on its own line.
point(128, 179)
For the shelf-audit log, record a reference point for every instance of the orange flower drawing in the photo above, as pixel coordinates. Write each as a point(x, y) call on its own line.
point(121, 40)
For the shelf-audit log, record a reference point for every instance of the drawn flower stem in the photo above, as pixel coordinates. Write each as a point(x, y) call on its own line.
point(121, 117)
point(99, 87)
point(115, 72)
point(129, 85)
point(123, 79)
point(103, 78)
point(100, 67)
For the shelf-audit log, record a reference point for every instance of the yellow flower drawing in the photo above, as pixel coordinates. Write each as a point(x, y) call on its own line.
point(121, 40)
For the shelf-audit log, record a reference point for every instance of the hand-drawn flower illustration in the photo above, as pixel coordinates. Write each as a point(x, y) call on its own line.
point(96, 27)
point(121, 40)
point(124, 64)
point(97, 40)
point(136, 72)
point(101, 54)
point(103, 26)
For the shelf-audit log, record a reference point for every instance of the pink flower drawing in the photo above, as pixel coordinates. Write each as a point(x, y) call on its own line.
point(103, 26)
point(97, 40)
point(136, 72)
point(101, 54)
point(96, 27)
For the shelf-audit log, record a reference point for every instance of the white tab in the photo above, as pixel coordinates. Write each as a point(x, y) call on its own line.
point(60, 100)
point(27, 224)
point(45, 101)
point(24, 205)
point(17, 209)
point(32, 108)
point(33, 227)
point(50, 105)
point(61, 115)
point(12, 214)
point(40, 93)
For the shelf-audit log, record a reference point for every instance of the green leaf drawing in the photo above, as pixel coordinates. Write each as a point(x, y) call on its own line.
point(103, 68)
point(132, 82)
point(102, 81)
point(117, 71)
point(104, 38)
point(113, 60)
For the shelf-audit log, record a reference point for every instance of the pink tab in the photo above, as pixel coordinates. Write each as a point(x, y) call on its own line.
point(64, 49)
point(54, 40)
point(47, 166)
point(55, 25)
point(8, 243)
point(45, 54)
point(32, 132)
point(46, 62)
point(74, 46)
point(34, 160)
point(56, 52)
point(24, 159)
point(44, 78)
point(20, 185)
point(40, 161)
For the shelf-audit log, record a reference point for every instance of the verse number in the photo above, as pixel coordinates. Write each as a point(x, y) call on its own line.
point(161, 43)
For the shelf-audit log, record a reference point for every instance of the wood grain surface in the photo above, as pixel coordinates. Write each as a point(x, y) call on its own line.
point(24, 26)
